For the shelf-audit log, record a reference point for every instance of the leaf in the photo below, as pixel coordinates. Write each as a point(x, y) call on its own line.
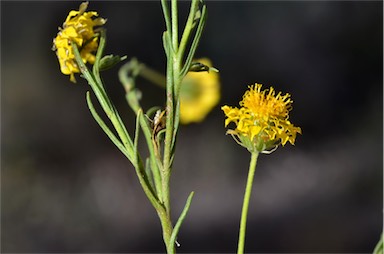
point(105, 128)
point(195, 42)
point(183, 214)
point(136, 139)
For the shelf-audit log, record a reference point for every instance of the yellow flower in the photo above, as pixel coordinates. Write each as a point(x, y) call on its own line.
point(199, 94)
point(78, 28)
point(262, 120)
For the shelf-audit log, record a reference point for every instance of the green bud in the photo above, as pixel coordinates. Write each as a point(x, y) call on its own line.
point(199, 67)
point(109, 61)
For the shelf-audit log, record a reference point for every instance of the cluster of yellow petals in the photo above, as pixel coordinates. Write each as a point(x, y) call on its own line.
point(78, 28)
point(263, 116)
point(199, 94)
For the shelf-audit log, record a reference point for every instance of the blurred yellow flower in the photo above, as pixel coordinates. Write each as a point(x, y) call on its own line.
point(262, 120)
point(199, 94)
point(78, 28)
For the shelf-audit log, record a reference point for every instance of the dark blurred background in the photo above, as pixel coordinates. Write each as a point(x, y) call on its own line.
point(66, 188)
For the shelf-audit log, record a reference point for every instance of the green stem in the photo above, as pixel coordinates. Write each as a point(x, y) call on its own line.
point(166, 225)
point(154, 163)
point(173, 81)
point(127, 77)
point(175, 26)
point(165, 173)
point(247, 196)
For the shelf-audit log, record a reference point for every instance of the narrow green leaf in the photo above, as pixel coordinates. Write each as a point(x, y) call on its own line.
point(149, 192)
point(136, 139)
point(141, 170)
point(99, 53)
point(180, 221)
point(96, 71)
point(105, 128)
point(99, 92)
point(160, 135)
point(167, 44)
point(176, 124)
point(195, 42)
point(194, 13)
point(138, 163)
point(167, 17)
point(149, 173)
point(104, 101)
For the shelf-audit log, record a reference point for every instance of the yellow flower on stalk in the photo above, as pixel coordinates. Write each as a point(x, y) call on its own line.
point(262, 120)
point(78, 28)
point(199, 94)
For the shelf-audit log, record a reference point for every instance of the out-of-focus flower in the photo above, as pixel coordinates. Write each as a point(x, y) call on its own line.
point(262, 120)
point(199, 94)
point(79, 28)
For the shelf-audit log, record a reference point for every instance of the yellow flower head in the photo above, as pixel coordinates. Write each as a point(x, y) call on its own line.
point(78, 28)
point(262, 120)
point(199, 94)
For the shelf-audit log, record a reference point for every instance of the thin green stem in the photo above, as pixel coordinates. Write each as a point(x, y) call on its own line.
point(144, 182)
point(140, 170)
point(168, 136)
point(247, 196)
point(165, 214)
point(166, 225)
point(175, 25)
